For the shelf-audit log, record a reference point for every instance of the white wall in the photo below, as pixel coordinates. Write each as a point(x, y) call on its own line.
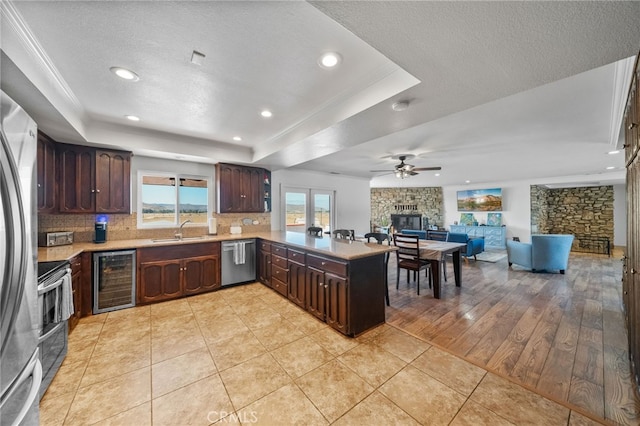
point(516, 214)
point(352, 203)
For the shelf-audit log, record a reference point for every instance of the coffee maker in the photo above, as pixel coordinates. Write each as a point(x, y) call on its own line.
point(101, 232)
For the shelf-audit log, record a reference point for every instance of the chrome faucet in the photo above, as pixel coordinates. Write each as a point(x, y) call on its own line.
point(178, 233)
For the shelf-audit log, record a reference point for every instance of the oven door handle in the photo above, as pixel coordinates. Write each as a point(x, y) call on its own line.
point(51, 332)
point(42, 289)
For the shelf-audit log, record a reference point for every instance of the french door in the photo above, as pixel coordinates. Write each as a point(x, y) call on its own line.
point(305, 207)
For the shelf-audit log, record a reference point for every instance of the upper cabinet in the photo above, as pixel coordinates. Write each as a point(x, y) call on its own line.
point(46, 174)
point(243, 189)
point(93, 180)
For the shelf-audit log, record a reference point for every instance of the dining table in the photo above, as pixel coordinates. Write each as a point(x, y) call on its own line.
point(433, 251)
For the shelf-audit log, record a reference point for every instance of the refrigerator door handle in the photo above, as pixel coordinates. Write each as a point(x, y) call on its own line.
point(33, 369)
point(16, 256)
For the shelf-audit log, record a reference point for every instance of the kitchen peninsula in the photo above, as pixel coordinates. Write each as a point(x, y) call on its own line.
point(338, 281)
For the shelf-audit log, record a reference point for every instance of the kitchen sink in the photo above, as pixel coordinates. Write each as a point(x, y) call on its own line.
point(166, 240)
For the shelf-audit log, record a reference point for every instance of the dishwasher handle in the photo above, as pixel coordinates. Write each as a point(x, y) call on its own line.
point(229, 246)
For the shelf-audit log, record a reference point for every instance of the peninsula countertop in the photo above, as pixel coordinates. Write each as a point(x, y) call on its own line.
point(339, 248)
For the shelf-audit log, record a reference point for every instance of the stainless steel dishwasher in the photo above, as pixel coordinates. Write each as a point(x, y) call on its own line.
point(238, 261)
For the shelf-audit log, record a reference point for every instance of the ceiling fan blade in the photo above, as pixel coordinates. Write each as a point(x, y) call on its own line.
point(412, 173)
point(423, 169)
point(379, 171)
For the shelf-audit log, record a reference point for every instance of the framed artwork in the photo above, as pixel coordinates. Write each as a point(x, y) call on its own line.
point(494, 219)
point(466, 219)
point(480, 200)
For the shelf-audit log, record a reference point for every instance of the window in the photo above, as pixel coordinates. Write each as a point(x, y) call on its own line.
point(166, 200)
point(307, 207)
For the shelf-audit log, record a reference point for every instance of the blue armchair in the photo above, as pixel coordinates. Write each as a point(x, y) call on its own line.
point(474, 245)
point(548, 252)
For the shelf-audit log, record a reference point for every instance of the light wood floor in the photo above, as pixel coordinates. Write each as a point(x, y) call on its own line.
point(561, 335)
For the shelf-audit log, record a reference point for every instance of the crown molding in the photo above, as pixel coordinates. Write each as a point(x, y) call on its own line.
point(14, 22)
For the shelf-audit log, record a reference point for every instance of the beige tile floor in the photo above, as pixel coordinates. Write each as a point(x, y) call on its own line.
point(245, 355)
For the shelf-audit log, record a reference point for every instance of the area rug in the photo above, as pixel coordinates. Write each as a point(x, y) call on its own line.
point(491, 256)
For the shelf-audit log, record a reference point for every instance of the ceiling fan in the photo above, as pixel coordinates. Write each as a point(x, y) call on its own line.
point(404, 170)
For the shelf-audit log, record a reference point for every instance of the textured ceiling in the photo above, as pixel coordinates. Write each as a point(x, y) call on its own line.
point(497, 90)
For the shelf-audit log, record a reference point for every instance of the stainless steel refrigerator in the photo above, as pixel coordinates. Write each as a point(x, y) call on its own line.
point(20, 371)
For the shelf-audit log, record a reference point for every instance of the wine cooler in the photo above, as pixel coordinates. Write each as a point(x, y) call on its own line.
point(114, 280)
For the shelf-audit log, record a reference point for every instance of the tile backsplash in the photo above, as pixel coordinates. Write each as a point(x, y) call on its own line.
point(124, 226)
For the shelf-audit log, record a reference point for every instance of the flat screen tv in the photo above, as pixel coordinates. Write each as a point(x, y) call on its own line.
point(480, 200)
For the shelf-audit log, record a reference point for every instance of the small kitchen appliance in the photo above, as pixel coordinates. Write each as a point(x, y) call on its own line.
point(101, 232)
point(51, 239)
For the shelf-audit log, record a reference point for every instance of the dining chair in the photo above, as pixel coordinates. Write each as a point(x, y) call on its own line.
point(344, 233)
point(315, 231)
point(440, 236)
point(408, 257)
point(380, 237)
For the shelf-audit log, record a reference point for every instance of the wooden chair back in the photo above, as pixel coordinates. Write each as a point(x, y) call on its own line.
point(314, 231)
point(344, 233)
point(408, 247)
point(378, 236)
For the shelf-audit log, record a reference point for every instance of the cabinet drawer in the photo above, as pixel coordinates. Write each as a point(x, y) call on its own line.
point(296, 256)
point(279, 261)
point(279, 250)
point(327, 265)
point(279, 273)
point(265, 246)
point(279, 286)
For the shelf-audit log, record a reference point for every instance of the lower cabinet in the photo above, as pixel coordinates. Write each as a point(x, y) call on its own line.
point(76, 289)
point(297, 277)
point(170, 272)
point(264, 263)
point(346, 294)
point(327, 292)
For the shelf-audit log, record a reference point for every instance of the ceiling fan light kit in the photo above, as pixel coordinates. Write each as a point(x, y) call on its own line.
point(404, 170)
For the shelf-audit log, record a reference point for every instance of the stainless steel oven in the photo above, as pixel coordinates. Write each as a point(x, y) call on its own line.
point(55, 303)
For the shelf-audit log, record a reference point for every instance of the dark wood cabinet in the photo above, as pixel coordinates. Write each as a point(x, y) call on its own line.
point(76, 290)
point(170, 272)
point(264, 262)
point(315, 293)
point(93, 180)
point(160, 280)
point(113, 181)
point(77, 176)
point(297, 277)
point(200, 274)
point(328, 290)
point(631, 266)
point(46, 174)
point(241, 189)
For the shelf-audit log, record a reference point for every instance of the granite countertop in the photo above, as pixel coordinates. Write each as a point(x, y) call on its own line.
point(344, 249)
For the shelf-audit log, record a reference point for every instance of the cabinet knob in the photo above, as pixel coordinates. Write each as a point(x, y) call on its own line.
point(321, 284)
point(326, 286)
point(97, 190)
point(39, 186)
point(93, 191)
point(324, 263)
point(633, 271)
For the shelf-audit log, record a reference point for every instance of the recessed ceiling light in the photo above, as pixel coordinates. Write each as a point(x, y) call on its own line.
point(329, 60)
point(266, 113)
point(132, 117)
point(610, 168)
point(467, 181)
point(614, 152)
point(237, 138)
point(437, 174)
point(125, 73)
